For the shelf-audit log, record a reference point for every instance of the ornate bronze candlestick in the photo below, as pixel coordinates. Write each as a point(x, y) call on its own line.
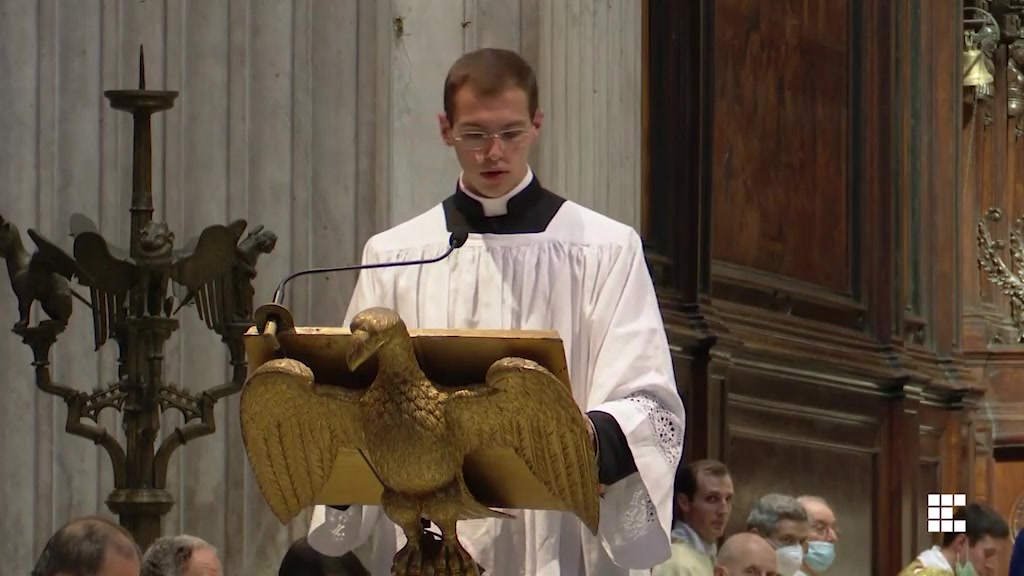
point(132, 302)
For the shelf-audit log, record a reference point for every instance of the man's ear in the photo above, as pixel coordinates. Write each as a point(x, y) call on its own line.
point(446, 128)
point(683, 503)
point(719, 571)
point(538, 119)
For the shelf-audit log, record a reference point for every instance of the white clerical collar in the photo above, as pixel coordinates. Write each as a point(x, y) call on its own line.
point(497, 206)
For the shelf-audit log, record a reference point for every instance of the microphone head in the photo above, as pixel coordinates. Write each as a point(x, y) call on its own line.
point(458, 238)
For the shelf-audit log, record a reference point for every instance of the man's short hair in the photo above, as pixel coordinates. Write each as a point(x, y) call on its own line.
point(489, 72)
point(686, 476)
point(79, 547)
point(770, 509)
point(169, 555)
point(981, 521)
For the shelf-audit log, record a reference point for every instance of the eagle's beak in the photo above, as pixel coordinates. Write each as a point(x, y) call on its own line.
point(359, 349)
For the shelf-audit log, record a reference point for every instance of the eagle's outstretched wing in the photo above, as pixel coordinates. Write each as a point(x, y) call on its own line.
point(204, 269)
point(293, 431)
point(52, 258)
point(100, 268)
point(108, 276)
point(524, 408)
point(110, 279)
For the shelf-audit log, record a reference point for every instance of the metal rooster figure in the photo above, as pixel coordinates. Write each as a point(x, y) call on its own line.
point(130, 294)
point(418, 437)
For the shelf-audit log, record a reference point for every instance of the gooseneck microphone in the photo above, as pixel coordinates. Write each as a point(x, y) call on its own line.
point(456, 240)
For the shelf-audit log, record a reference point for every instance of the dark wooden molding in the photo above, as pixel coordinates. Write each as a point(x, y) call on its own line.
point(677, 235)
point(854, 365)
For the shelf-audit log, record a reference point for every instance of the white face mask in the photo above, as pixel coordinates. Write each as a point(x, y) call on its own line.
point(790, 558)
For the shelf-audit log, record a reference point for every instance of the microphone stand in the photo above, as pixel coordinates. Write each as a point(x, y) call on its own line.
point(273, 317)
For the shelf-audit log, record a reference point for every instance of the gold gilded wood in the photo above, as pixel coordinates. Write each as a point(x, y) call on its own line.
point(440, 425)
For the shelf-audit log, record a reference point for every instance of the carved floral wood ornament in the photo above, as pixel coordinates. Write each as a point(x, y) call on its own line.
point(1006, 277)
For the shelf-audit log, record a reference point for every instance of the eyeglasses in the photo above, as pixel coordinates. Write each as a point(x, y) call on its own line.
point(475, 140)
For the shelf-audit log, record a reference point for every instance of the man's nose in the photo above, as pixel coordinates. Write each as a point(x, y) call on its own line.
point(494, 149)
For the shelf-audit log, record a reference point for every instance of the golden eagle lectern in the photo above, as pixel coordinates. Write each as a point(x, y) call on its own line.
point(434, 425)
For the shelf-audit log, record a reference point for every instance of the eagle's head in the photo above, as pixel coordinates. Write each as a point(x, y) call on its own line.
point(372, 329)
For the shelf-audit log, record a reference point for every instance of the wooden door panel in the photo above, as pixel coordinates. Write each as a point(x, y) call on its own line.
point(781, 200)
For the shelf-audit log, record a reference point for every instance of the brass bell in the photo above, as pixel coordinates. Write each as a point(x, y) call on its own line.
point(976, 72)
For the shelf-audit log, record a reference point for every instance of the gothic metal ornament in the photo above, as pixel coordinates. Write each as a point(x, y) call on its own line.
point(131, 294)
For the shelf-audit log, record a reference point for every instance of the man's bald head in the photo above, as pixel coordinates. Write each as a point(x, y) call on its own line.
point(89, 546)
point(746, 553)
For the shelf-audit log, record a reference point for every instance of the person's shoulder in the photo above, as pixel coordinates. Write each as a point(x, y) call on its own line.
point(917, 568)
point(689, 555)
point(408, 234)
point(685, 561)
point(590, 227)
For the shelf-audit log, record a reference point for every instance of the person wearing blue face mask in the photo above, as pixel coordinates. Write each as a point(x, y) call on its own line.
point(824, 535)
point(782, 521)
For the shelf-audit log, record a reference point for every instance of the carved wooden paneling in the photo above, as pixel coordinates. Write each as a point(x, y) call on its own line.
point(932, 435)
point(991, 164)
point(800, 178)
point(814, 351)
point(1009, 496)
point(781, 139)
point(930, 483)
point(799, 437)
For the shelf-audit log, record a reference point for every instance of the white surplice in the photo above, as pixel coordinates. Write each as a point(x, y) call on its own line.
point(586, 277)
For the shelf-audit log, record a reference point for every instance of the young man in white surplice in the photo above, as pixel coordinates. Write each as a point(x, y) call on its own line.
point(534, 261)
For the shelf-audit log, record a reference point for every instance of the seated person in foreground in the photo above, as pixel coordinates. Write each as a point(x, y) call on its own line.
point(181, 556)
point(704, 503)
point(783, 522)
point(534, 261)
point(746, 554)
point(821, 542)
point(975, 551)
point(90, 546)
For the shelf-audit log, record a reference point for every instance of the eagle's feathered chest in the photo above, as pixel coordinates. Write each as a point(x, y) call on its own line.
point(405, 420)
point(415, 403)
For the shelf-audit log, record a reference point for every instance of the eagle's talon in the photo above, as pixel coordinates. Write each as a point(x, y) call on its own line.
point(408, 561)
point(453, 560)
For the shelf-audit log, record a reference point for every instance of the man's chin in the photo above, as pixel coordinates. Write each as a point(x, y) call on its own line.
point(494, 187)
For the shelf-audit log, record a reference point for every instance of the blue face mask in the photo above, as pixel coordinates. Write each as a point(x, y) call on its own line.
point(820, 555)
